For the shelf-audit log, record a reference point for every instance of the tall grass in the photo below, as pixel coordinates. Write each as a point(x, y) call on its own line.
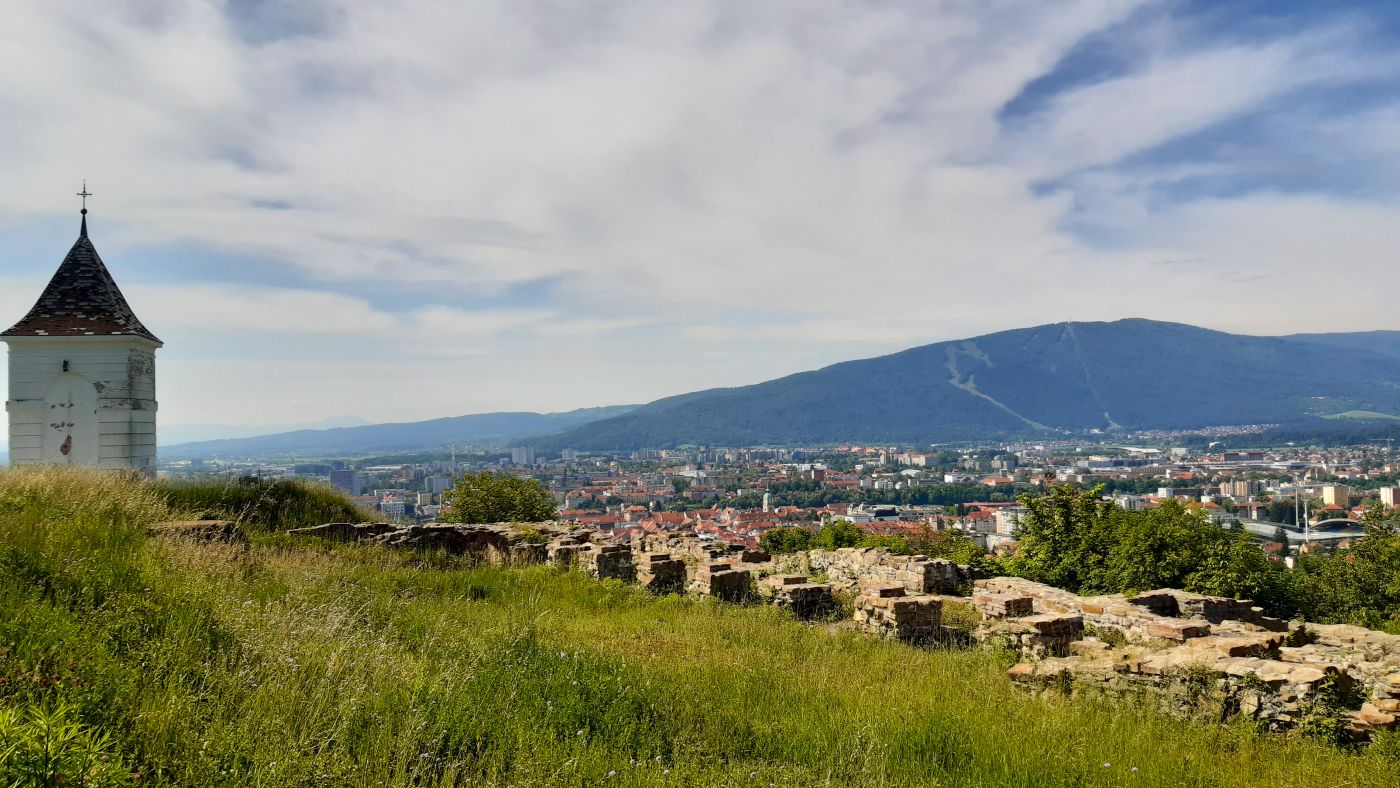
point(264, 505)
point(278, 665)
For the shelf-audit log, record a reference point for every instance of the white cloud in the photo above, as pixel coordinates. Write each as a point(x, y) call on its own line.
point(639, 199)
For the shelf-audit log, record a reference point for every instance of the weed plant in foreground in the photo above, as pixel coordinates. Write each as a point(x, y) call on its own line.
point(288, 665)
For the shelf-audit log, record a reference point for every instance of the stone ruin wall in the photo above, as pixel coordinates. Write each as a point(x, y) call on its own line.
point(1194, 654)
point(846, 568)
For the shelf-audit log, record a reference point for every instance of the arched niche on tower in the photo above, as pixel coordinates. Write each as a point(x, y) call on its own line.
point(70, 421)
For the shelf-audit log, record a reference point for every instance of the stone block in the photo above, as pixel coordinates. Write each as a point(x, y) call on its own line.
point(1373, 716)
point(882, 590)
point(606, 562)
point(1178, 630)
point(661, 574)
point(718, 579)
point(1003, 605)
point(563, 554)
point(805, 600)
point(897, 615)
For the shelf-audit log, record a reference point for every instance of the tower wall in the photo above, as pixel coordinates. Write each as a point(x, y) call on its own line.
point(48, 405)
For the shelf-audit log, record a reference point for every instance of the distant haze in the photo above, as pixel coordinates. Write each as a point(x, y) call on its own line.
point(185, 433)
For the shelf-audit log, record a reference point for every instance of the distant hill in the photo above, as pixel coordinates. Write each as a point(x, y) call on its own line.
point(1052, 379)
point(173, 434)
point(477, 429)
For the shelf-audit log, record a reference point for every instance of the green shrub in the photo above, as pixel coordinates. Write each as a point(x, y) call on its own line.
point(41, 746)
point(488, 497)
point(262, 505)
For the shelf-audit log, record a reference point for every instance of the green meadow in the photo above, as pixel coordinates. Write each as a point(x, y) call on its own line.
point(128, 659)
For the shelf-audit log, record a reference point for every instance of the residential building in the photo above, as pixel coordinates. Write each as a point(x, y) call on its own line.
point(351, 481)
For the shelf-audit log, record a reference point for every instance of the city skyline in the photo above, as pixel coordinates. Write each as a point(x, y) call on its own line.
point(410, 213)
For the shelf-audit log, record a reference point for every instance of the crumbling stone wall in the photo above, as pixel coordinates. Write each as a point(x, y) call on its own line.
point(1195, 654)
point(848, 567)
point(888, 610)
point(496, 542)
point(722, 580)
point(1034, 636)
point(607, 562)
point(796, 593)
point(661, 574)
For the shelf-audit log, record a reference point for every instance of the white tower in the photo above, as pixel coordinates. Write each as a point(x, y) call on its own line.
point(82, 372)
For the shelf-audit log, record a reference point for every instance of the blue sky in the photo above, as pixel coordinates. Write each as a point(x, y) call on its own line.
point(402, 210)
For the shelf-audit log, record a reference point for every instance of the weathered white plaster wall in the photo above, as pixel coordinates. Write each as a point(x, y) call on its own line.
point(103, 405)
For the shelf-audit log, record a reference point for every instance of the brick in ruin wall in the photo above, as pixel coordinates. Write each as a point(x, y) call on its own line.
point(563, 555)
point(528, 553)
point(848, 567)
point(888, 611)
point(721, 580)
point(1036, 637)
point(661, 574)
point(1003, 605)
point(606, 562)
point(795, 593)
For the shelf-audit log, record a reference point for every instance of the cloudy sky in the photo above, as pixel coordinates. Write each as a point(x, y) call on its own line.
point(402, 209)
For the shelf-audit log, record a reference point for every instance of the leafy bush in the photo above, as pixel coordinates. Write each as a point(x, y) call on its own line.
point(785, 540)
point(488, 497)
point(1073, 539)
point(41, 746)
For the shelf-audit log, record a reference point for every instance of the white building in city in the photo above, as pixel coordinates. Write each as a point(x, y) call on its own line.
point(82, 369)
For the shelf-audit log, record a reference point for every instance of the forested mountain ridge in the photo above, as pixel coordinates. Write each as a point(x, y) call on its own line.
point(1050, 379)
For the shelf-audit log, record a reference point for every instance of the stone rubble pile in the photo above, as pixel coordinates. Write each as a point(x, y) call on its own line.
point(847, 567)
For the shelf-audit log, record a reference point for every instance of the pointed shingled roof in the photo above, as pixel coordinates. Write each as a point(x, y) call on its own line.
point(80, 300)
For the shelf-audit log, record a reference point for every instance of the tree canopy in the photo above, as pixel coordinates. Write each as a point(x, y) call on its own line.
point(1075, 540)
point(488, 497)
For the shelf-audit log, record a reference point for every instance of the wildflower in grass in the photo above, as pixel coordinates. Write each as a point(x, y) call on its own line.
point(1106, 764)
point(612, 773)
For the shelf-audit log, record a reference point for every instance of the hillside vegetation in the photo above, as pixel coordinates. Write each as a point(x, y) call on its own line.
point(280, 664)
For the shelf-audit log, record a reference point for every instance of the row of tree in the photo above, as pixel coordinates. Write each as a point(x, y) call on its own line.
point(1074, 540)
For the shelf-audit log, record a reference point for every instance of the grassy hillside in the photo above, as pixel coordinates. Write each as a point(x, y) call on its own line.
point(285, 664)
point(1138, 374)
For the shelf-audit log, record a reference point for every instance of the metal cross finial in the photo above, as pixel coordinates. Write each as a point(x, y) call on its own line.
point(85, 194)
